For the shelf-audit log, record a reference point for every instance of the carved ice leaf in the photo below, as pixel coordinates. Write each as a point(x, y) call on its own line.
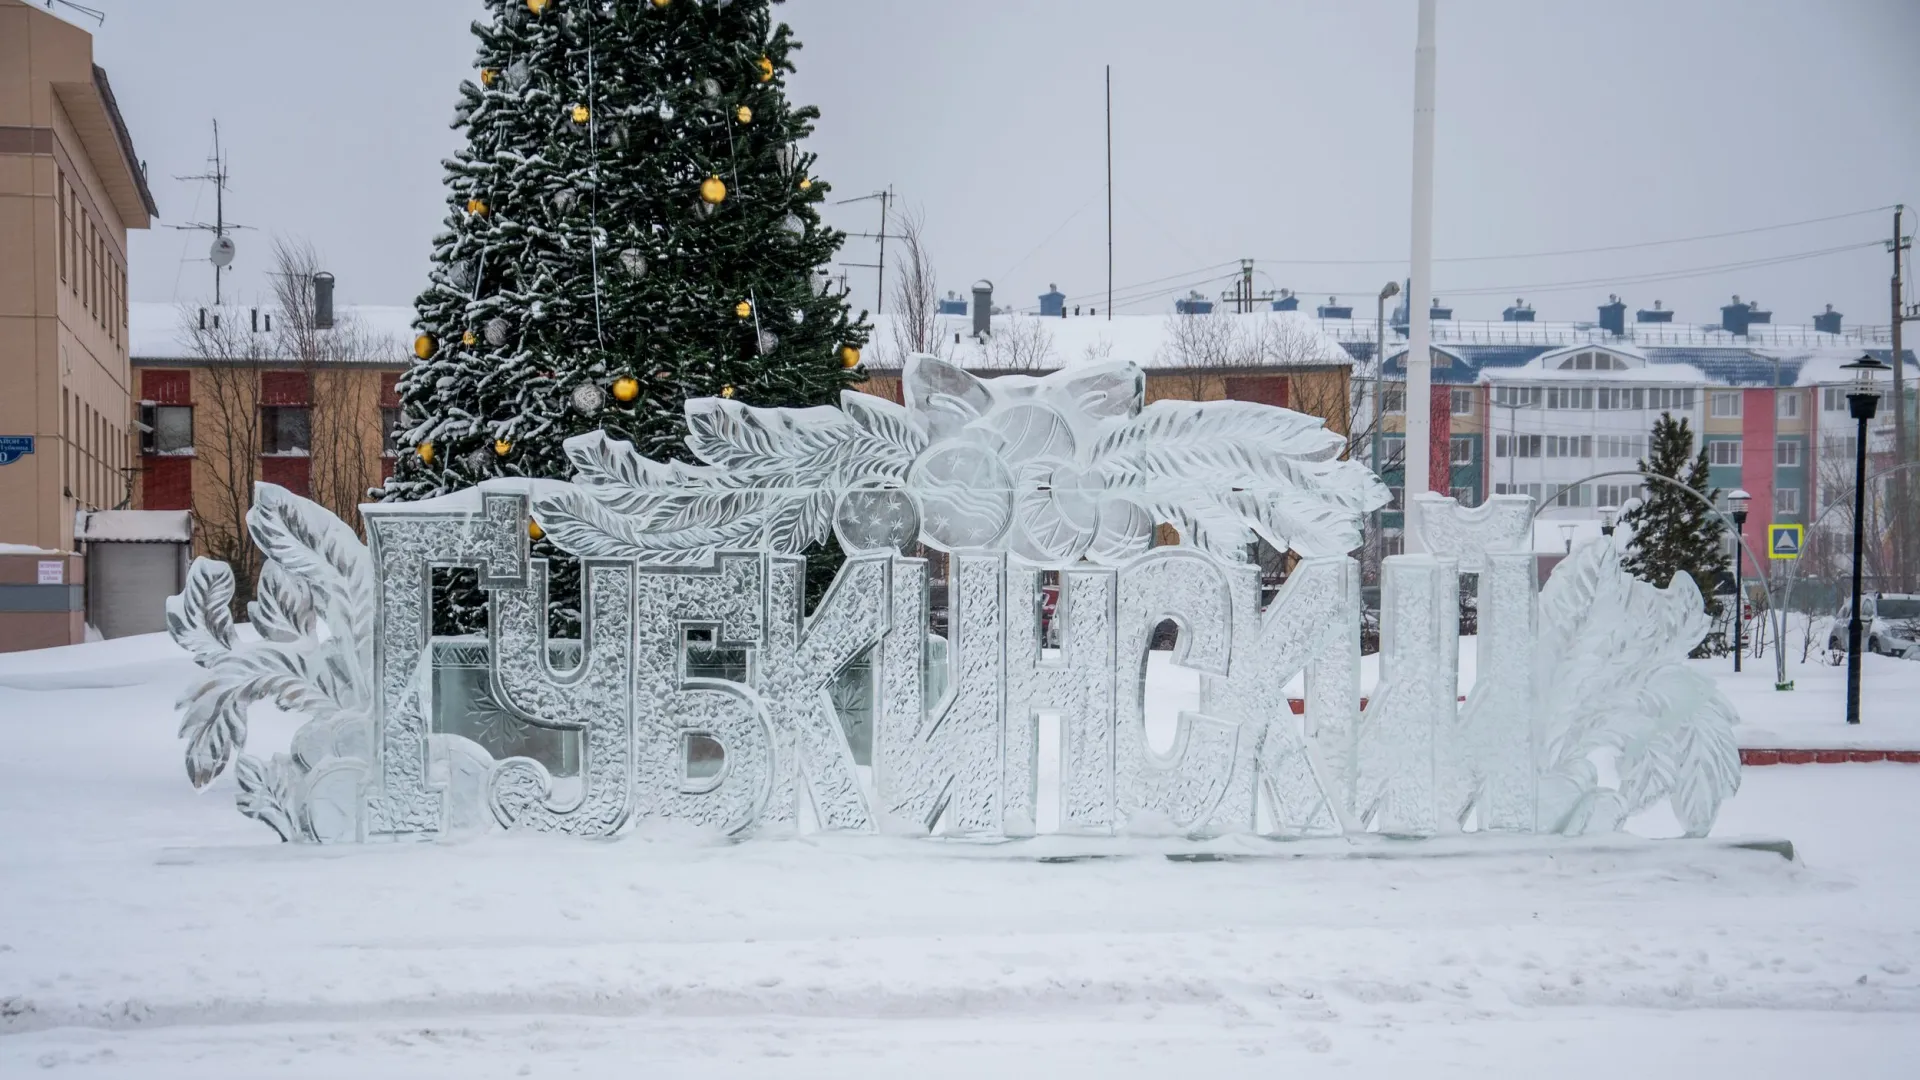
point(1613, 679)
point(309, 542)
point(266, 792)
point(886, 421)
point(282, 607)
point(200, 619)
point(941, 396)
point(734, 436)
point(1271, 469)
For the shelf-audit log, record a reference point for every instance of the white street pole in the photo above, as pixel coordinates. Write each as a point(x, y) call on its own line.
point(1419, 423)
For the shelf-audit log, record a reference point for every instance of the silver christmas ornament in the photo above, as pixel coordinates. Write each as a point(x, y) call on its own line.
point(768, 341)
point(786, 156)
point(588, 398)
point(794, 225)
point(634, 263)
point(820, 283)
point(564, 199)
point(496, 331)
point(665, 110)
point(702, 208)
point(710, 87)
point(460, 274)
point(478, 460)
point(799, 316)
point(518, 75)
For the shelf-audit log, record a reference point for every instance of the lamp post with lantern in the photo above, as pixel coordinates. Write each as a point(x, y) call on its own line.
point(1737, 501)
point(1863, 401)
point(1608, 514)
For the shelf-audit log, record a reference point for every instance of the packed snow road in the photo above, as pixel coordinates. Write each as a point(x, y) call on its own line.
point(146, 930)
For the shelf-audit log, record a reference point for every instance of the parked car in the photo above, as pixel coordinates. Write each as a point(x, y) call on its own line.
point(1889, 624)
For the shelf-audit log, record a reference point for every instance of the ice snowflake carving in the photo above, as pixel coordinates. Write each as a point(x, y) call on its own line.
point(313, 611)
point(1611, 683)
point(1050, 469)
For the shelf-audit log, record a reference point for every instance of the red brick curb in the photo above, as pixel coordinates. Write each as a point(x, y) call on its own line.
point(1826, 757)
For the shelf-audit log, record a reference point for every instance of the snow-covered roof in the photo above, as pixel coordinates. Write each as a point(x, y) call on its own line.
point(136, 526)
point(1037, 343)
point(162, 332)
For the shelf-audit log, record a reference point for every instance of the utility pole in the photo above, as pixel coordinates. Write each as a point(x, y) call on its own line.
point(220, 254)
point(1906, 526)
point(1419, 423)
point(1109, 192)
point(880, 278)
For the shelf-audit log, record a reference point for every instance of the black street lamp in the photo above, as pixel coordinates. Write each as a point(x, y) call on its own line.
point(1737, 501)
point(1607, 516)
point(1863, 401)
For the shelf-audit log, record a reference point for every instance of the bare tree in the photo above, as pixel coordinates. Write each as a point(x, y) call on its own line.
point(344, 456)
point(916, 294)
point(226, 440)
point(1025, 344)
point(1197, 351)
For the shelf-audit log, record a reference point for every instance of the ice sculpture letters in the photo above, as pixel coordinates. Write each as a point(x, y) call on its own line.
point(700, 691)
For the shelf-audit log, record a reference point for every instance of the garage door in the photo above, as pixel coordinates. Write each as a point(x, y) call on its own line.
point(128, 585)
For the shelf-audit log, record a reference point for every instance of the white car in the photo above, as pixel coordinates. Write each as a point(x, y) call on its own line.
point(1889, 623)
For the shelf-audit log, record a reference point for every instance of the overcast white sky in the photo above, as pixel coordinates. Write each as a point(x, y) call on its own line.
point(1269, 129)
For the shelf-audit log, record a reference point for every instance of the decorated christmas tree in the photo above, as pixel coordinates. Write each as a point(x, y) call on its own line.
point(631, 224)
point(1673, 532)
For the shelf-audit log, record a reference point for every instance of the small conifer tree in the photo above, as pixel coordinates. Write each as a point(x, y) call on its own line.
point(1674, 533)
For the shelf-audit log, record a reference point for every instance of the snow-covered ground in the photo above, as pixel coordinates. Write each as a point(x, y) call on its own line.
point(148, 931)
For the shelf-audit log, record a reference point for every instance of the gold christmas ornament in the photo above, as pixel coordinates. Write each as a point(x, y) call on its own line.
point(580, 114)
point(488, 76)
point(423, 346)
point(766, 69)
point(743, 309)
point(626, 388)
point(470, 339)
point(538, 6)
point(712, 191)
point(477, 207)
point(534, 530)
point(806, 184)
point(726, 391)
point(661, 3)
point(501, 447)
point(743, 114)
point(425, 450)
point(849, 356)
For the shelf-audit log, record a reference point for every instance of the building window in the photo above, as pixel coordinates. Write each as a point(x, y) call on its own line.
point(1570, 397)
point(1615, 495)
point(1577, 495)
point(1569, 446)
point(1621, 397)
point(1394, 399)
point(1530, 490)
point(1723, 452)
point(1787, 404)
point(1398, 494)
point(1620, 446)
point(390, 430)
point(1461, 450)
point(1786, 452)
point(1786, 500)
point(1842, 446)
point(1520, 446)
point(169, 429)
point(1462, 401)
point(1393, 449)
point(1833, 398)
point(1726, 404)
point(1462, 495)
point(1669, 398)
point(285, 429)
point(1517, 397)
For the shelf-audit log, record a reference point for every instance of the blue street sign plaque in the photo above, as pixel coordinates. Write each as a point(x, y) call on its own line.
point(14, 447)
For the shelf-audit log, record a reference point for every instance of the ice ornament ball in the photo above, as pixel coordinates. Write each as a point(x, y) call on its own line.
point(700, 690)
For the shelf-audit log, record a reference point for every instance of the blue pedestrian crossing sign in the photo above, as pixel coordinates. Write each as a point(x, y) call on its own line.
point(1783, 541)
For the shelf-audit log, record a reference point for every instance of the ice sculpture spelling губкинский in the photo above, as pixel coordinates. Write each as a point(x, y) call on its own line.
point(1015, 480)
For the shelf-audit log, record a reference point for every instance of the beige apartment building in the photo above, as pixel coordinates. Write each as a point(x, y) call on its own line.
point(70, 188)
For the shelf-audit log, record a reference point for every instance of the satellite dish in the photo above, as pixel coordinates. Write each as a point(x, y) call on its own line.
point(222, 250)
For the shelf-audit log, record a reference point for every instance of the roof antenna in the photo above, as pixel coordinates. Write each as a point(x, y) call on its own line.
point(221, 252)
point(99, 17)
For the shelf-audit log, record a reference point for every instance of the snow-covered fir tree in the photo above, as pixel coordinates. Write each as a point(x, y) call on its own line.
point(1674, 533)
point(631, 223)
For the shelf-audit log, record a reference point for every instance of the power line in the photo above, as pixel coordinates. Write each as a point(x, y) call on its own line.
point(1590, 250)
point(1663, 275)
